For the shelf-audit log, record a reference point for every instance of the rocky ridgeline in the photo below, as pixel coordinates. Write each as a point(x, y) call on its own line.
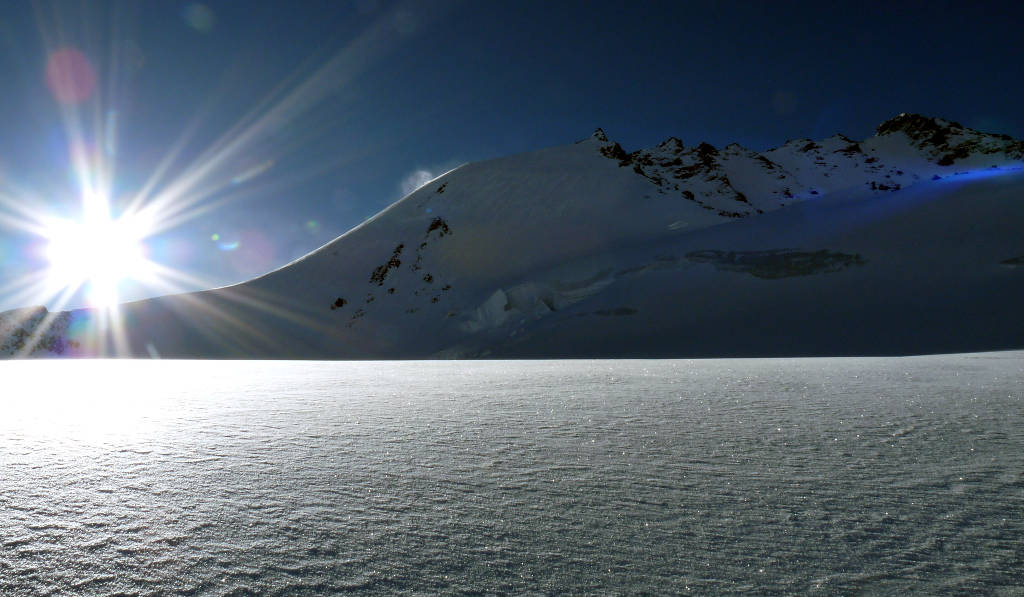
point(34, 331)
point(736, 182)
point(947, 142)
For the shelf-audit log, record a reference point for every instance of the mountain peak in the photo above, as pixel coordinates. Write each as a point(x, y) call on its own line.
point(600, 136)
point(671, 144)
point(916, 126)
point(705, 150)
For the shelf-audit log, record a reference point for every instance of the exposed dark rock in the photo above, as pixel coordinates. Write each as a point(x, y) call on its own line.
point(917, 126)
point(616, 152)
point(35, 331)
point(672, 144)
point(959, 152)
point(706, 152)
point(949, 141)
point(381, 272)
point(439, 224)
point(851, 149)
point(777, 263)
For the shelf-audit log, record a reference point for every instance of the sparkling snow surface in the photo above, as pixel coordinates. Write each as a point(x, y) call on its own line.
point(796, 476)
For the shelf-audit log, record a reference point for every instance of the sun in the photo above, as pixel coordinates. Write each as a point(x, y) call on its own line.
point(97, 253)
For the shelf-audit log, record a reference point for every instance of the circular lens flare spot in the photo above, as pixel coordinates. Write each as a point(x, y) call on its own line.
point(199, 17)
point(70, 76)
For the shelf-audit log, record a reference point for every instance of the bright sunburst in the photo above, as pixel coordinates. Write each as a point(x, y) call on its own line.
point(98, 253)
point(101, 256)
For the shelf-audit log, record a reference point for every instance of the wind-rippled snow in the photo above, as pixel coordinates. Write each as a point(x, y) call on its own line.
point(709, 476)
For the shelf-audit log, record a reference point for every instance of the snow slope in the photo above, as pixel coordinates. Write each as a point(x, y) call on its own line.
point(936, 268)
point(904, 242)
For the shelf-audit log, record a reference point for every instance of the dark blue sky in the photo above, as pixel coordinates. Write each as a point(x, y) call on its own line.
point(323, 109)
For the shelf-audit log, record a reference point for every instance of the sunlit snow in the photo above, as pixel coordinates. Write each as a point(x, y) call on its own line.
point(773, 476)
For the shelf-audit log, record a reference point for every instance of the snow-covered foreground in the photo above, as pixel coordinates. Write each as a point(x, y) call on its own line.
point(762, 476)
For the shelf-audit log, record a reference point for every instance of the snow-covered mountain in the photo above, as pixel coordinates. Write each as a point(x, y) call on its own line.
point(908, 241)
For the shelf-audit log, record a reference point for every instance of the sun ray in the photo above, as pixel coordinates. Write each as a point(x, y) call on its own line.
point(91, 250)
point(212, 171)
point(44, 326)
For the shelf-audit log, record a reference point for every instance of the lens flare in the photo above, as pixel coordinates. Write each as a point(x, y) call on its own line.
point(70, 76)
point(106, 255)
point(199, 17)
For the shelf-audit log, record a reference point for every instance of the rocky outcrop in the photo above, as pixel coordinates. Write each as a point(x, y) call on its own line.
point(948, 142)
point(420, 288)
point(736, 182)
point(34, 331)
point(780, 263)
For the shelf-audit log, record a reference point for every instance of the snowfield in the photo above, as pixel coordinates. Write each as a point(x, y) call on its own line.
point(906, 242)
point(826, 476)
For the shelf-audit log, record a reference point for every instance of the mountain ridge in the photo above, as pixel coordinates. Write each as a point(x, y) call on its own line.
point(497, 251)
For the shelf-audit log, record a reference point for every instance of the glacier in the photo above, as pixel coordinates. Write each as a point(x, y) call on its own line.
point(902, 243)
